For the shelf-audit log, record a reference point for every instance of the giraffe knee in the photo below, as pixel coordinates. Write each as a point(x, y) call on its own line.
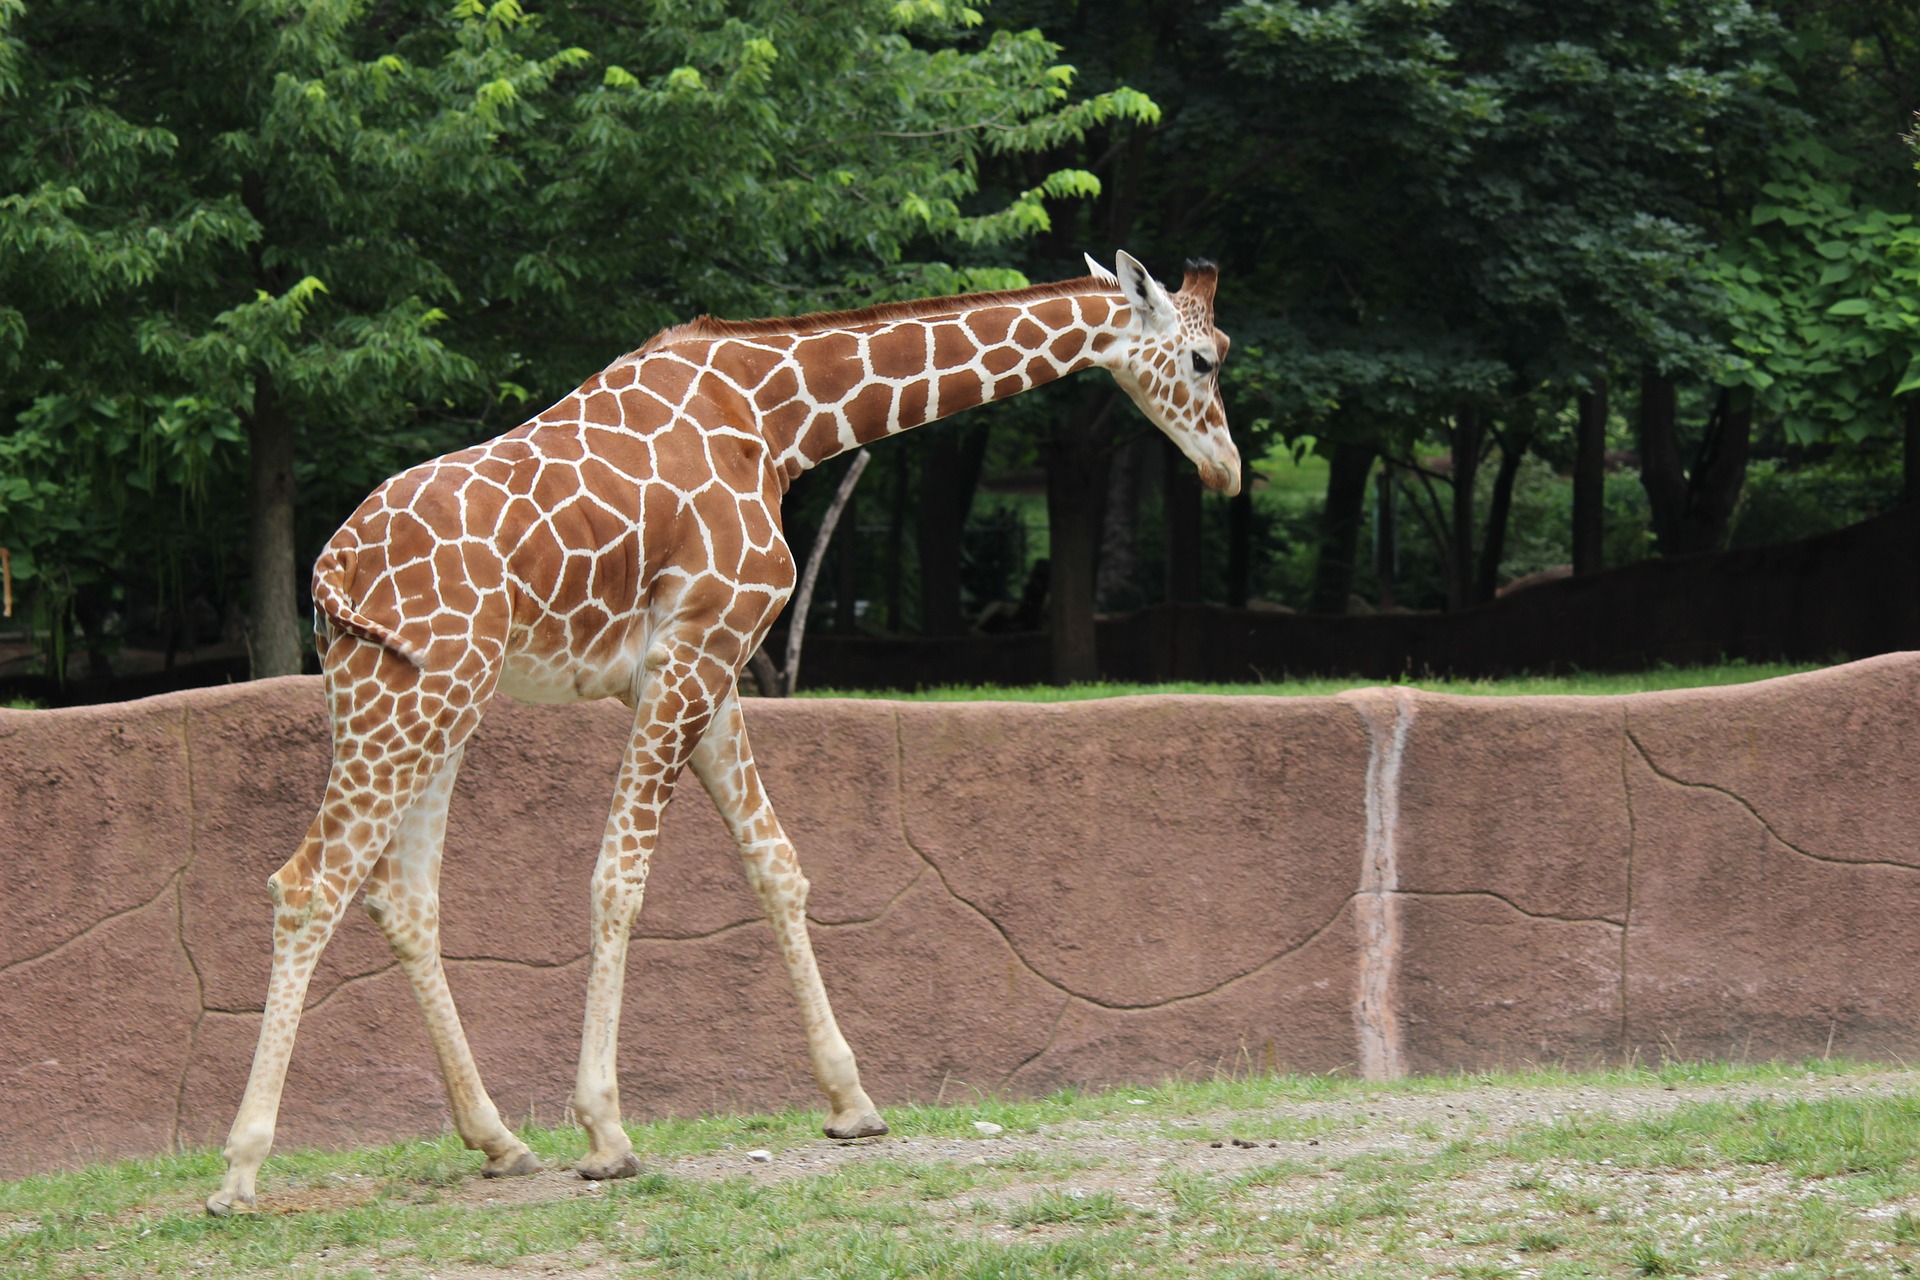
point(292, 895)
point(381, 910)
point(775, 875)
point(412, 934)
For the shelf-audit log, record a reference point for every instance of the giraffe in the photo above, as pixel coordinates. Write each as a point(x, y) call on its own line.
point(627, 543)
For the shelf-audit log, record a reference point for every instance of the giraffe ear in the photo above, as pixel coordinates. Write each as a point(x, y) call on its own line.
point(1099, 272)
point(1152, 308)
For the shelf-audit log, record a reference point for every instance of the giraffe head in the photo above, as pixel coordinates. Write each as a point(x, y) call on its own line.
point(1168, 360)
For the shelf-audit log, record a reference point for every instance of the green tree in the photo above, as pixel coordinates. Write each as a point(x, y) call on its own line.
point(1825, 287)
point(1488, 202)
point(361, 234)
point(298, 293)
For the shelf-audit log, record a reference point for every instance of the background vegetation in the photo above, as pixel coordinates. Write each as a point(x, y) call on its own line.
point(1514, 284)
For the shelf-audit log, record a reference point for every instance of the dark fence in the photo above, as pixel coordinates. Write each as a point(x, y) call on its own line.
point(1852, 593)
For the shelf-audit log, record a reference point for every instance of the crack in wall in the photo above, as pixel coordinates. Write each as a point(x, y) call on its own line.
point(1509, 902)
point(511, 963)
point(166, 887)
point(1053, 1038)
point(1377, 921)
point(886, 908)
point(900, 773)
point(180, 927)
point(1647, 758)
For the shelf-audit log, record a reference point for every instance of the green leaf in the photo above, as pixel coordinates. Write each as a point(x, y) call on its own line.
point(1850, 307)
point(685, 80)
point(1834, 272)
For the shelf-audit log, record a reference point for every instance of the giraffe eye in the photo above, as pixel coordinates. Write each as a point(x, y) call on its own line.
point(1202, 365)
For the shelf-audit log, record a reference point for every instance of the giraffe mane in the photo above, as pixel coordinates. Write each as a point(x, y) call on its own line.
point(706, 327)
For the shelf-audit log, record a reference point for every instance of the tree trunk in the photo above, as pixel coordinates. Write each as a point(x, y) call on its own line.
point(1910, 450)
point(846, 570)
point(1240, 547)
point(1590, 479)
point(1656, 431)
point(1347, 471)
point(1077, 459)
point(1180, 503)
point(950, 459)
point(273, 627)
point(897, 544)
point(1386, 539)
point(788, 677)
point(1720, 471)
point(1691, 509)
point(1499, 507)
point(1467, 433)
point(1127, 475)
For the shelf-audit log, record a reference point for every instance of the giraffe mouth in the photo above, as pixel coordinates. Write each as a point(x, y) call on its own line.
point(1220, 479)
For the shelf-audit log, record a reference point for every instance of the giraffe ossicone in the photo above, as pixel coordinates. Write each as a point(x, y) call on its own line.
point(627, 543)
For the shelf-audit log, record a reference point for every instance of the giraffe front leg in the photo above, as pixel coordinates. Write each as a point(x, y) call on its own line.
point(724, 764)
point(654, 757)
point(619, 885)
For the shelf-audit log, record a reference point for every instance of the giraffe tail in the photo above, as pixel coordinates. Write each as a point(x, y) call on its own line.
point(332, 605)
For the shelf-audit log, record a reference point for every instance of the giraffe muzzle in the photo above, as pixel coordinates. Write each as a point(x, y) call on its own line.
point(1222, 479)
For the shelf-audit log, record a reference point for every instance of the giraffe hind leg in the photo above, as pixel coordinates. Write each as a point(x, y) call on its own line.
point(672, 711)
point(383, 760)
point(309, 894)
point(403, 897)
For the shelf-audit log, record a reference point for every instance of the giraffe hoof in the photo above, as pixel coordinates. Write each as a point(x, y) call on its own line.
point(869, 1125)
point(512, 1166)
point(620, 1167)
point(221, 1205)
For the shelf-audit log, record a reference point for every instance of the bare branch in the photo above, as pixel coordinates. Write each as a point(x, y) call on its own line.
point(803, 599)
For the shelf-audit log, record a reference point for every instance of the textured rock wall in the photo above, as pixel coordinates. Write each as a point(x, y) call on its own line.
point(1006, 897)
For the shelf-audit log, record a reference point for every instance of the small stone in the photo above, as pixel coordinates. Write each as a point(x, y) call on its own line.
point(760, 1157)
point(1136, 1102)
point(988, 1127)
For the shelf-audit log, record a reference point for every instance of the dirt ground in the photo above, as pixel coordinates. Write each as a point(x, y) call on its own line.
point(1137, 1162)
point(1130, 1158)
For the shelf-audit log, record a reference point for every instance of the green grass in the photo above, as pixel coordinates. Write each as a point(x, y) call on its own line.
point(1092, 1184)
point(1288, 481)
point(1660, 678)
point(1511, 686)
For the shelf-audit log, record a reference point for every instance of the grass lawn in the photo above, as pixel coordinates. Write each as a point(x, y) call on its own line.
point(1586, 683)
point(1811, 1169)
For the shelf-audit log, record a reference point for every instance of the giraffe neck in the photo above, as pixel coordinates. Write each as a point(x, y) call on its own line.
point(819, 392)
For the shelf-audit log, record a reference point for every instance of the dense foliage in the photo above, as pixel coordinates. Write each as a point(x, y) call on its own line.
point(256, 256)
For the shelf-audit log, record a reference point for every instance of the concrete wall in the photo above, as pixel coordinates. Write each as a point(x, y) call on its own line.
point(1006, 897)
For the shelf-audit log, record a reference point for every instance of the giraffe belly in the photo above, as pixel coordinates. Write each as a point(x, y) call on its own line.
point(529, 678)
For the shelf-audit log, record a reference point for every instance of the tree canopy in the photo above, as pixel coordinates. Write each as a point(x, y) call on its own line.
point(352, 234)
point(319, 240)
